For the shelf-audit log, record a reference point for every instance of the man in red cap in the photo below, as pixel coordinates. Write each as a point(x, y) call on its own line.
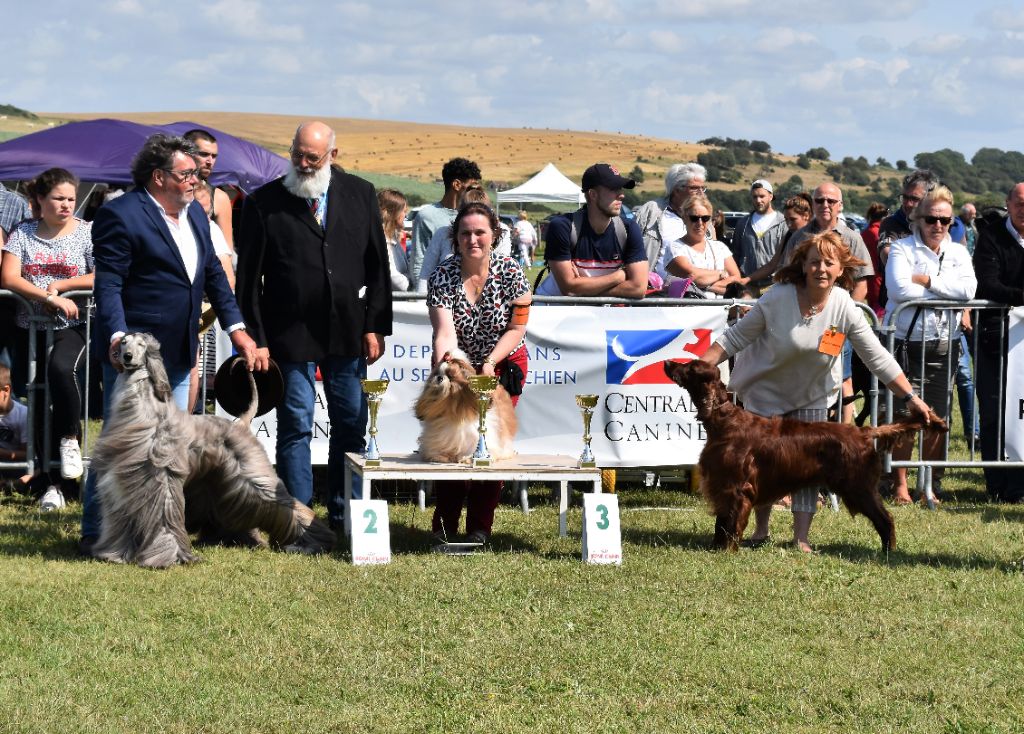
point(595, 251)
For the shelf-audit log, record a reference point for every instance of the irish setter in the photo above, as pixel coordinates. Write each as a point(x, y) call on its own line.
point(750, 461)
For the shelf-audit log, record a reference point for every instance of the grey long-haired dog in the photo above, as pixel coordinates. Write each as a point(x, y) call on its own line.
point(162, 474)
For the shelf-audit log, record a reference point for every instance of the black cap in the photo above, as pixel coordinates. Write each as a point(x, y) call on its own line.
point(602, 174)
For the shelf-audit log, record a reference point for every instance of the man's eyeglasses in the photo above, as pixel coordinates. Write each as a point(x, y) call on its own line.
point(699, 218)
point(310, 159)
point(944, 221)
point(909, 199)
point(825, 200)
point(182, 176)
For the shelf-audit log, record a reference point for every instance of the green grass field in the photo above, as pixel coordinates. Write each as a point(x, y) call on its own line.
point(526, 638)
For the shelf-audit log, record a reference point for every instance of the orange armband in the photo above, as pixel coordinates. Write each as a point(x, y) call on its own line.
point(520, 314)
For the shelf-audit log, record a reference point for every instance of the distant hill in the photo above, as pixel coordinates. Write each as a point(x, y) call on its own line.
point(11, 111)
point(409, 156)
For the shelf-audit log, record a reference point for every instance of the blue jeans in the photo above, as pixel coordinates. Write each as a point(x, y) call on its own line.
point(965, 389)
point(347, 412)
point(90, 502)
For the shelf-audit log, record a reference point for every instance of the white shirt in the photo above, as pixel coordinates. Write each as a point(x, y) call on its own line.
point(1013, 231)
point(712, 258)
point(183, 236)
point(952, 278)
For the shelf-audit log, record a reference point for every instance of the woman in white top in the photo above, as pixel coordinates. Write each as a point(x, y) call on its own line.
point(393, 208)
point(928, 265)
point(789, 369)
point(688, 253)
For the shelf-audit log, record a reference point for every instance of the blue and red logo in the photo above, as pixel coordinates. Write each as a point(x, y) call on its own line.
point(638, 357)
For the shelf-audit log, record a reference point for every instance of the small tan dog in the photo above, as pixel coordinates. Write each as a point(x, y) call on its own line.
point(447, 409)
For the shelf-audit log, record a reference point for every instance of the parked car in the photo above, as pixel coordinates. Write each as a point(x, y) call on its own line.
point(855, 221)
point(731, 220)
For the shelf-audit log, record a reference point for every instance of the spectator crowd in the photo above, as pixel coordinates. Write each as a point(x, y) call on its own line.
point(301, 276)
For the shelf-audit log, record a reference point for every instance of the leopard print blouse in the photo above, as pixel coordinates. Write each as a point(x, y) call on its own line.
point(478, 326)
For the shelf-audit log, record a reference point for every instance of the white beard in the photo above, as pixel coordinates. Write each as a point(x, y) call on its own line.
point(308, 186)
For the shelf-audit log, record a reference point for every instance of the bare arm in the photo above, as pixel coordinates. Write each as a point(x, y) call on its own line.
point(715, 354)
point(445, 339)
point(12, 279)
point(635, 284)
point(511, 339)
point(571, 283)
point(222, 205)
point(860, 290)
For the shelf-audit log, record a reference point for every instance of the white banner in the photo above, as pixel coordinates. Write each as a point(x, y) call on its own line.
point(1013, 419)
point(617, 353)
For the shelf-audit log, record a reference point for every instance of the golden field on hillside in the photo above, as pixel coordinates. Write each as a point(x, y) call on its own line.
point(507, 156)
point(415, 150)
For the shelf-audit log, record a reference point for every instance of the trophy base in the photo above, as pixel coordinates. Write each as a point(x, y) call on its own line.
point(371, 462)
point(481, 462)
point(586, 464)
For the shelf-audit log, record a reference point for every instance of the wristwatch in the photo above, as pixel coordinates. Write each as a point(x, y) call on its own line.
point(908, 397)
point(490, 361)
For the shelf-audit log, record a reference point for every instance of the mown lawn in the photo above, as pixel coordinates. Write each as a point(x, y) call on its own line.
point(524, 637)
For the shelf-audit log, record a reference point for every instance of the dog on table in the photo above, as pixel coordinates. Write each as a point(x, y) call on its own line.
point(162, 473)
point(750, 461)
point(447, 408)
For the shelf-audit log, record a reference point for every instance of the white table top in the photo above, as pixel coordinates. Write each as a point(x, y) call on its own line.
point(532, 464)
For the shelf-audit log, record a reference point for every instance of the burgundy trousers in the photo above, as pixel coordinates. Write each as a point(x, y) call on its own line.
point(480, 498)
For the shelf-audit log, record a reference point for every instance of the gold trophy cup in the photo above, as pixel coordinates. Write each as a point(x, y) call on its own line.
point(483, 386)
point(374, 390)
point(587, 403)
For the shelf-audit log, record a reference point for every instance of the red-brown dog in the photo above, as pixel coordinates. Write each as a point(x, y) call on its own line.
point(750, 461)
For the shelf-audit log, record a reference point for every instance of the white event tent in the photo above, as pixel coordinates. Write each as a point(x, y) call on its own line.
point(550, 186)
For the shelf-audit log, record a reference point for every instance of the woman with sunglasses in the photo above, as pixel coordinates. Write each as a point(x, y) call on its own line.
point(687, 253)
point(928, 265)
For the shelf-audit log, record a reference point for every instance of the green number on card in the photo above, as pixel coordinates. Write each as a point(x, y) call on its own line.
point(602, 523)
point(371, 527)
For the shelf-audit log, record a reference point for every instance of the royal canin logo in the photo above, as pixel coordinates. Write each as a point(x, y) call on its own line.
point(638, 357)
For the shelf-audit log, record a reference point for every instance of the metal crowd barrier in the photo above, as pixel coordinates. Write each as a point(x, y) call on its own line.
point(37, 390)
point(36, 386)
point(952, 311)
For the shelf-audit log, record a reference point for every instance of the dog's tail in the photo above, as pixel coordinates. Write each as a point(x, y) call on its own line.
point(250, 412)
point(890, 434)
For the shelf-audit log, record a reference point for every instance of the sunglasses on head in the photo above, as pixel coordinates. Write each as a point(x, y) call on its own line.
point(944, 221)
point(699, 218)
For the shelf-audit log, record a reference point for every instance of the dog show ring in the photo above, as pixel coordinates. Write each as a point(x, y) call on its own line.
point(523, 467)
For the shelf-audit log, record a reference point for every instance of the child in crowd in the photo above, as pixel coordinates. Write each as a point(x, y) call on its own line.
point(13, 423)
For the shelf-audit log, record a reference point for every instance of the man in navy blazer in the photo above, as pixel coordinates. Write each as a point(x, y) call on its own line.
point(154, 260)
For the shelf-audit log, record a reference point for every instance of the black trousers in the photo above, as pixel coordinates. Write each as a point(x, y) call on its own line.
point(1004, 485)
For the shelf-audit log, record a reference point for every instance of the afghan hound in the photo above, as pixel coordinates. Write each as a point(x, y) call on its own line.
point(750, 461)
point(447, 408)
point(162, 473)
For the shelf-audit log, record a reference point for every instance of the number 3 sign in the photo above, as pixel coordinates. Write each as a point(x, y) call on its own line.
point(371, 532)
point(602, 537)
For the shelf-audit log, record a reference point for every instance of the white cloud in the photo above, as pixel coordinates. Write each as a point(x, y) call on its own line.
point(942, 44)
point(245, 18)
point(126, 7)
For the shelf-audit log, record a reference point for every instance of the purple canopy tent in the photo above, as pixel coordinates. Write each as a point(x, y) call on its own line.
point(101, 151)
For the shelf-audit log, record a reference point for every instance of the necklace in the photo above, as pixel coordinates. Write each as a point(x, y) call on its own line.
point(814, 309)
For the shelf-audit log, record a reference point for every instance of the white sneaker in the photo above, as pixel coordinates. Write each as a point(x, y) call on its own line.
point(70, 458)
point(52, 500)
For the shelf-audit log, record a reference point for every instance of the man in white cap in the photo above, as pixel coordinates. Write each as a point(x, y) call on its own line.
point(759, 234)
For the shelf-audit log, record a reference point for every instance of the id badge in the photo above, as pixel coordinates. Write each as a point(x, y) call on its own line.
point(832, 342)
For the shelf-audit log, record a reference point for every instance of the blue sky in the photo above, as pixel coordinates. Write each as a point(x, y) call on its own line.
point(874, 77)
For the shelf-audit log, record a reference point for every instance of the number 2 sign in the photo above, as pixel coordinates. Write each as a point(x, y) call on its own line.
point(602, 536)
point(371, 532)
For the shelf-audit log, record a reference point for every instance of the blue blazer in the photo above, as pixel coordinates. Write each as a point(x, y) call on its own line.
point(141, 281)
